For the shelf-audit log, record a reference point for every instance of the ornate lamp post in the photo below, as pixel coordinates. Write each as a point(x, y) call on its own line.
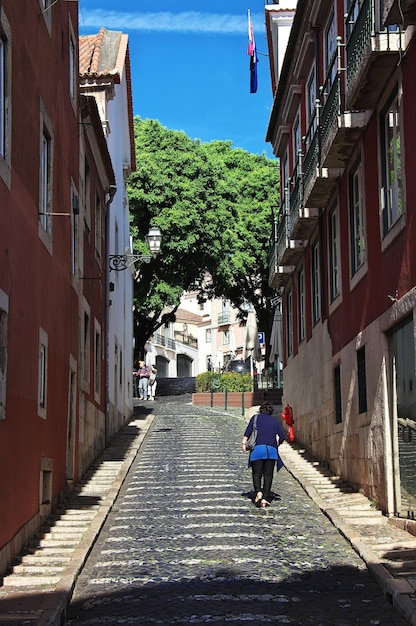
point(120, 262)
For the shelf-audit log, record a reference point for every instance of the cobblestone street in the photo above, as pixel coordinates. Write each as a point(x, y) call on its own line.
point(184, 543)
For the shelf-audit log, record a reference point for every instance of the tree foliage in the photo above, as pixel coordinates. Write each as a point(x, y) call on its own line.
point(213, 204)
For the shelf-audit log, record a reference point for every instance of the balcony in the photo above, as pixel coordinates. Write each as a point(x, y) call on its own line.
point(285, 252)
point(224, 318)
point(186, 339)
point(166, 342)
point(399, 12)
point(319, 185)
point(372, 54)
point(340, 130)
point(278, 274)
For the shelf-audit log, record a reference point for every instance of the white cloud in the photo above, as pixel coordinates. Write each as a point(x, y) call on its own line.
point(163, 21)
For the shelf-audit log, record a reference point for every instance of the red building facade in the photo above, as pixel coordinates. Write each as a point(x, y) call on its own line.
point(52, 266)
point(343, 257)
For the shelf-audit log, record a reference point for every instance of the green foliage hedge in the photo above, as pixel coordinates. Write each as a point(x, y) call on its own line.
point(232, 381)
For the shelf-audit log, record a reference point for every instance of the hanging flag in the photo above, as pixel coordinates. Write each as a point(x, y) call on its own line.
point(252, 52)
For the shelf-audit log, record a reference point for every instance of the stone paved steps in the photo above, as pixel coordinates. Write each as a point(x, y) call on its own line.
point(47, 557)
point(380, 543)
point(211, 527)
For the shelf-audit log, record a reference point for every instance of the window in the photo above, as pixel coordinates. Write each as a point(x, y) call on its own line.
point(311, 102)
point(337, 394)
point(296, 139)
point(73, 74)
point(225, 337)
point(87, 198)
point(3, 44)
point(316, 282)
point(86, 348)
point(208, 335)
point(358, 247)
point(331, 48)
point(45, 7)
point(5, 98)
point(391, 162)
point(42, 373)
point(301, 304)
point(74, 233)
point(45, 172)
point(289, 323)
point(285, 173)
point(45, 168)
point(334, 273)
point(97, 361)
point(362, 381)
point(4, 305)
point(98, 224)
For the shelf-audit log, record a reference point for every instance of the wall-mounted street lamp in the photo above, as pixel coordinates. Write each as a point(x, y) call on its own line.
point(120, 262)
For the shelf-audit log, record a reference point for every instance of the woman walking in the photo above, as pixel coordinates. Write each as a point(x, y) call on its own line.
point(265, 453)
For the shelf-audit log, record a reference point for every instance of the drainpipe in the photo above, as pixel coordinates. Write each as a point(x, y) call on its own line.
point(111, 193)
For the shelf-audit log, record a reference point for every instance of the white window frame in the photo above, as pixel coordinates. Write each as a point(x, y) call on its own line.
point(5, 98)
point(391, 140)
point(97, 360)
point(87, 196)
point(73, 65)
point(296, 142)
point(301, 305)
point(285, 173)
point(86, 344)
point(311, 95)
point(316, 281)
point(330, 45)
point(43, 373)
point(46, 151)
point(46, 11)
point(225, 337)
point(334, 269)
point(74, 232)
point(289, 323)
point(4, 320)
point(357, 218)
point(98, 224)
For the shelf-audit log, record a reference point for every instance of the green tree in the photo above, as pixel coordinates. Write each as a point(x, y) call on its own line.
point(213, 204)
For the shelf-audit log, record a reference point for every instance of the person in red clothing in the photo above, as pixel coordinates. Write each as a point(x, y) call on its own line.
point(143, 374)
point(265, 454)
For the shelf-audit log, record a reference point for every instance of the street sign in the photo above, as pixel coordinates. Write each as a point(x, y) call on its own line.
point(261, 338)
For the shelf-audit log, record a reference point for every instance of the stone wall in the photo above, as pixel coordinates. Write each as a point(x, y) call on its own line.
point(175, 386)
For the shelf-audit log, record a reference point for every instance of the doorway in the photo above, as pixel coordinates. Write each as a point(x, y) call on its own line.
point(402, 366)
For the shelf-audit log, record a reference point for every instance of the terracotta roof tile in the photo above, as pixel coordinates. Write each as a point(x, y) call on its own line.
point(105, 55)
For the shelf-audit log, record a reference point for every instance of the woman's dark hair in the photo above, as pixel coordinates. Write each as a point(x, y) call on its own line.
point(266, 407)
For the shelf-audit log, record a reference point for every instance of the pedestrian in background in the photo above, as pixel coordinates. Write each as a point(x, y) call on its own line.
point(152, 383)
point(265, 454)
point(143, 374)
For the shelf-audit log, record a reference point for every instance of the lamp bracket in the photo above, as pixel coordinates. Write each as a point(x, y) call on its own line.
point(120, 262)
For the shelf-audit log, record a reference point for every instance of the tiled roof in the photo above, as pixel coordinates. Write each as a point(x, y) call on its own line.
point(94, 57)
point(186, 316)
point(105, 56)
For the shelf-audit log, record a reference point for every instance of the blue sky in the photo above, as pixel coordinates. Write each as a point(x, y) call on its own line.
point(190, 66)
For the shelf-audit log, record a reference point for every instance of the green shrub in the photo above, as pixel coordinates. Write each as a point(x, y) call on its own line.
point(232, 381)
point(207, 382)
